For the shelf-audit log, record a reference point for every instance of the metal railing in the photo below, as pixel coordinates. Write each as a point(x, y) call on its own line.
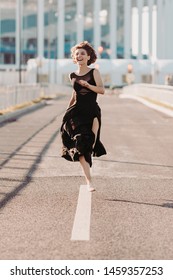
point(22, 93)
point(14, 95)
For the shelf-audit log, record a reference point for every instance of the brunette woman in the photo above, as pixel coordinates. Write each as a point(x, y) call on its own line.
point(80, 130)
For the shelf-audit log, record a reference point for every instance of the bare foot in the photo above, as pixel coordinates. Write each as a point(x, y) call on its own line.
point(90, 188)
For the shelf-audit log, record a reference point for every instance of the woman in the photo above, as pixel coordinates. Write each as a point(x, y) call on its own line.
point(81, 124)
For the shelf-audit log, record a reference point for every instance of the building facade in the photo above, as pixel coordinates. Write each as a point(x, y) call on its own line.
point(118, 29)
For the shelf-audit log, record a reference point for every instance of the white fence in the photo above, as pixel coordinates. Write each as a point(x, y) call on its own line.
point(22, 93)
point(14, 95)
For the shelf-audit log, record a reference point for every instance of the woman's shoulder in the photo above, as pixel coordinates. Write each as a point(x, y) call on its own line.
point(96, 72)
point(71, 75)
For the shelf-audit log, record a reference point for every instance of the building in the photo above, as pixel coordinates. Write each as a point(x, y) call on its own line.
point(118, 29)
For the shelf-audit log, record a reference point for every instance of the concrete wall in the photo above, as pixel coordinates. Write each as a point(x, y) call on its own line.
point(112, 71)
point(161, 94)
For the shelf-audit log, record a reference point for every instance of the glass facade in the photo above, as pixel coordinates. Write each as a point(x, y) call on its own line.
point(88, 21)
point(50, 29)
point(7, 31)
point(27, 33)
point(105, 28)
point(120, 29)
point(19, 34)
point(28, 30)
point(24, 15)
point(71, 20)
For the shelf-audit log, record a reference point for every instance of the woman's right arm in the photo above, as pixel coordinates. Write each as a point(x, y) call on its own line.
point(73, 99)
point(73, 96)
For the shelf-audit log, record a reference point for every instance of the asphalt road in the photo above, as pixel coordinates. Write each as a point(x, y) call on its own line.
point(132, 208)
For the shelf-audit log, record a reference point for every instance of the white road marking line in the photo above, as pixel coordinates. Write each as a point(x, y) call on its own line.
point(81, 225)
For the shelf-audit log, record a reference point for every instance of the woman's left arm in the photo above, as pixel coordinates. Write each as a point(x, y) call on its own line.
point(99, 88)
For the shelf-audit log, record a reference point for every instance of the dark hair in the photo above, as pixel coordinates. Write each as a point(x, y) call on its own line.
point(89, 49)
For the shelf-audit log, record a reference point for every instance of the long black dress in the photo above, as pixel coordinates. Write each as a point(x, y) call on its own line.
point(76, 129)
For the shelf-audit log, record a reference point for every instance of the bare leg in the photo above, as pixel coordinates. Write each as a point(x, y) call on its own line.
point(95, 128)
point(84, 163)
point(86, 170)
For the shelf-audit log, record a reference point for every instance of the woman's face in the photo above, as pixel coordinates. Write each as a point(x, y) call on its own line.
point(81, 57)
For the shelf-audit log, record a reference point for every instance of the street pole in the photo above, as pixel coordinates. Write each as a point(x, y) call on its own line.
point(49, 40)
point(20, 49)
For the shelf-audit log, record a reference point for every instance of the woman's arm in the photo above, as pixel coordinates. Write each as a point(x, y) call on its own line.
point(99, 88)
point(73, 99)
point(73, 96)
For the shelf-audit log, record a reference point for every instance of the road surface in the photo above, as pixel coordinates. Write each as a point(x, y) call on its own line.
point(46, 212)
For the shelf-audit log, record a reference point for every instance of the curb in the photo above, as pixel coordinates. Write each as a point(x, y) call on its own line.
point(159, 108)
point(21, 112)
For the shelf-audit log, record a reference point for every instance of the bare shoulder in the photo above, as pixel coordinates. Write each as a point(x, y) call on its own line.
point(97, 77)
point(70, 76)
point(96, 71)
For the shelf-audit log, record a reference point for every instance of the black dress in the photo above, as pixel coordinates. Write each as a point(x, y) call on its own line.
point(76, 130)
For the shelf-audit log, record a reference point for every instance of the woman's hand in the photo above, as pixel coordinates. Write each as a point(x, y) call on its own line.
point(98, 88)
point(84, 83)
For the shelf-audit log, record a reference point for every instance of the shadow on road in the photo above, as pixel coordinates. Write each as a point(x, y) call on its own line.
point(166, 205)
point(137, 163)
point(24, 143)
point(28, 177)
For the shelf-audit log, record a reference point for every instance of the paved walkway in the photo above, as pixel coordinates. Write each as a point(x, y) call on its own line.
point(42, 199)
